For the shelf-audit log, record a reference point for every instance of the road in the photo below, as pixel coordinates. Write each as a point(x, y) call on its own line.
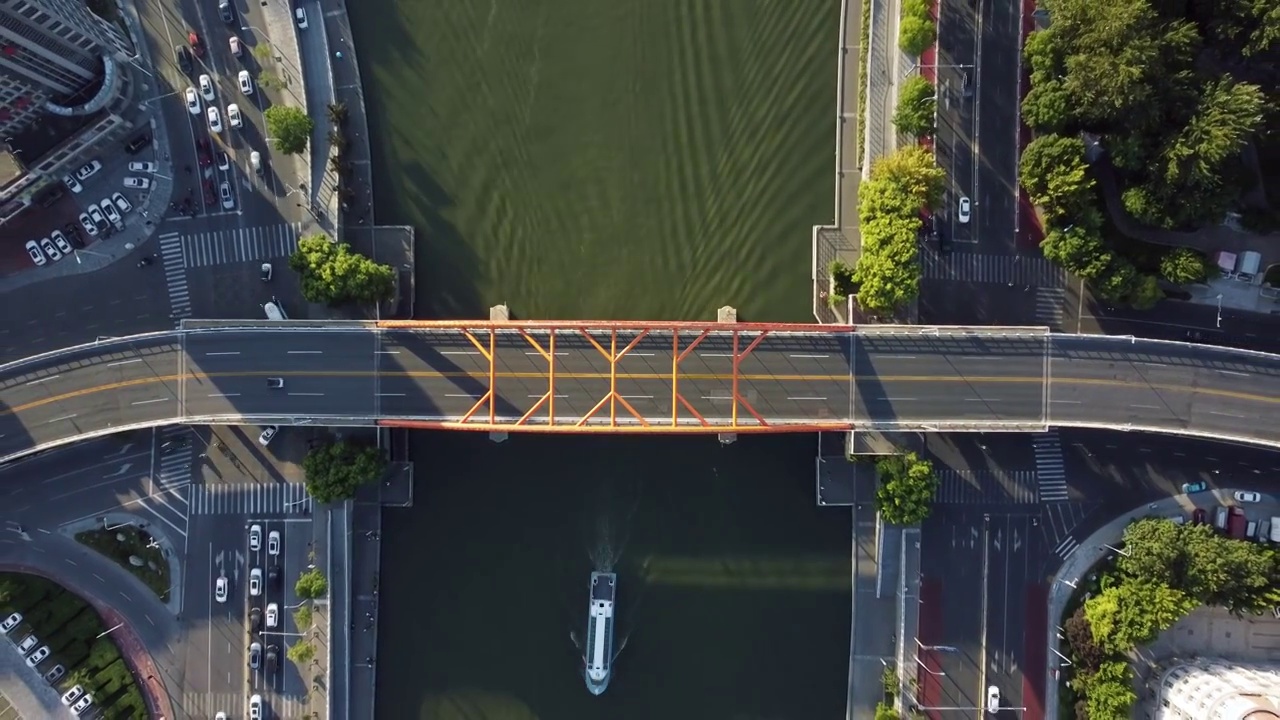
point(358, 374)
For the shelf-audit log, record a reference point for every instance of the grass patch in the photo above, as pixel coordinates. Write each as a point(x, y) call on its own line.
point(864, 50)
point(125, 543)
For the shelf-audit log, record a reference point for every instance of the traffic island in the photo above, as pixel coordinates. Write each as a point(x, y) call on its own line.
point(135, 550)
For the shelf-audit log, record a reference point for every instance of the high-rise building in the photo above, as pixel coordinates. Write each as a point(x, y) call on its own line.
point(1210, 689)
point(65, 89)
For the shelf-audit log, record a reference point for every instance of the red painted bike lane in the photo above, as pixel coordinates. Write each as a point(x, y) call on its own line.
point(1036, 654)
point(1030, 232)
point(929, 632)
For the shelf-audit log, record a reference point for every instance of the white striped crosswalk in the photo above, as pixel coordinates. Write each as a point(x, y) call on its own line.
point(208, 704)
point(1049, 306)
point(173, 463)
point(175, 276)
point(224, 247)
point(1051, 472)
point(983, 487)
point(249, 498)
point(1066, 547)
point(977, 267)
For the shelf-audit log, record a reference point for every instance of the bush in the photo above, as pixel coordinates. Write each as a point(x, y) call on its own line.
point(121, 543)
point(842, 285)
point(301, 653)
point(1054, 173)
point(311, 584)
point(335, 471)
point(1184, 266)
point(905, 492)
point(332, 274)
point(917, 103)
point(916, 31)
point(302, 618)
point(290, 128)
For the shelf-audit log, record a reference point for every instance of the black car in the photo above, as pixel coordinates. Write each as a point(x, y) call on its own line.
point(255, 620)
point(134, 146)
point(227, 11)
point(184, 59)
point(273, 657)
point(273, 574)
point(72, 231)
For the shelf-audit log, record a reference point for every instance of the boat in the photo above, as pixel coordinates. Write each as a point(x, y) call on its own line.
point(599, 648)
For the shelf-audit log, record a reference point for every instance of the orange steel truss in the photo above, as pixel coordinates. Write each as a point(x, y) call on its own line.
point(482, 416)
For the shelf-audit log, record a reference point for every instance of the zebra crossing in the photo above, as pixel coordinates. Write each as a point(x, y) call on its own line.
point(249, 499)
point(1051, 472)
point(224, 247)
point(175, 276)
point(985, 487)
point(1049, 306)
point(977, 267)
point(209, 704)
point(1066, 548)
point(173, 465)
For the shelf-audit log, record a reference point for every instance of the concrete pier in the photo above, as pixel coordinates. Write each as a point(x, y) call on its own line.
point(499, 313)
point(727, 314)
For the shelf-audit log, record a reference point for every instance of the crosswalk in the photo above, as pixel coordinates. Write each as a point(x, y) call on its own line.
point(173, 462)
point(1051, 472)
point(1049, 306)
point(249, 499)
point(224, 247)
point(207, 705)
point(175, 276)
point(978, 267)
point(984, 487)
point(1066, 548)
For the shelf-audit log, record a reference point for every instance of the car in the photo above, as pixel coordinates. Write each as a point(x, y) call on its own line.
point(38, 656)
point(215, 119)
point(273, 575)
point(224, 162)
point(301, 16)
point(27, 643)
point(233, 116)
point(137, 183)
point(220, 716)
point(221, 588)
point(71, 184)
point(255, 159)
point(82, 704)
point(52, 252)
point(255, 582)
point(121, 204)
point(963, 215)
point(966, 85)
point(224, 190)
point(236, 48)
point(255, 537)
point(72, 695)
point(33, 251)
point(55, 673)
point(60, 241)
point(73, 234)
point(267, 270)
point(87, 223)
point(255, 620)
point(143, 166)
point(255, 707)
point(265, 438)
point(227, 12)
point(193, 40)
point(273, 657)
point(1194, 487)
point(193, 101)
point(10, 622)
point(1247, 496)
point(206, 88)
point(246, 82)
point(112, 214)
point(273, 542)
point(1199, 517)
point(993, 699)
point(98, 218)
point(273, 615)
point(204, 152)
point(139, 141)
point(210, 194)
point(88, 170)
point(184, 59)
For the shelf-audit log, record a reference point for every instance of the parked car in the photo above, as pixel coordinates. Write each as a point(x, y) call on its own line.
point(227, 12)
point(246, 82)
point(28, 643)
point(963, 214)
point(255, 160)
point(255, 537)
point(1194, 487)
point(255, 707)
point(193, 40)
point(87, 223)
point(236, 48)
point(265, 438)
point(49, 250)
point(38, 656)
point(121, 203)
point(143, 166)
point(255, 655)
point(184, 59)
point(233, 116)
point(138, 142)
point(82, 704)
point(73, 234)
point(255, 582)
point(72, 695)
point(993, 699)
point(266, 277)
point(255, 620)
point(224, 161)
point(88, 170)
point(215, 119)
point(60, 241)
point(193, 101)
point(273, 615)
point(72, 184)
point(301, 16)
point(273, 542)
point(112, 214)
point(206, 88)
point(10, 622)
point(1199, 517)
point(55, 673)
point(137, 183)
point(273, 657)
point(98, 218)
point(224, 191)
point(33, 251)
point(1248, 496)
point(204, 152)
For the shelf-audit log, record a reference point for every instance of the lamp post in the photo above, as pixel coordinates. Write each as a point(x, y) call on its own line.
point(1219, 310)
point(105, 526)
point(104, 632)
point(1065, 661)
point(77, 252)
point(1116, 549)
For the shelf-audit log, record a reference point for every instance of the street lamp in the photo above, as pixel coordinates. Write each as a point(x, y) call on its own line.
point(1116, 549)
point(87, 252)
point(926, 668)
point(1065, 661)
point(105, 526)
point(104, 632)
point(1219, 310)
point(1069, 583)
point(939, 648)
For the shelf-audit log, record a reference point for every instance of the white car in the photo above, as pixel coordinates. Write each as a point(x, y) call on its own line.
point(143, 166)
point(33, 250)
point(122, 204)
point(215, 119)
point(273, 614)
point(246, 82)
point(87, 223)
point(236, 48)
point(273, 542)
point(27, 643)
point(255, 582)
point(71, 184)
point(233, 116)
point(38, 656)
point(137, 183)
point(224, 161)
point(1248, 496)
point(206, 88)
point(47, 246)
point(301, 16)
point(193, 101)
point(82, 704)
point(220, 587)
point(88, 169)
point(60, 241)
point(98, 218)
point(255, 537)
point(10, 622)
point(993, 699)
point(963, 215)
point(112, 214)
point(227, 201)
point(255, 655)
point(255, 707)
point(72, 695)
point(267, 434)
point(221, 715)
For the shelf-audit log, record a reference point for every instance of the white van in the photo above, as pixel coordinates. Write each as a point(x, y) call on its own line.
point(1275, 529)
point(274, 310)
point(255, 159)
point(1219, 518)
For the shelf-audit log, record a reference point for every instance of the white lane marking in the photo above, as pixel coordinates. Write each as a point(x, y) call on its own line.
point(636, 397)
point(305, 394)
point(728, 355)
point(224, 394)
point(124, 362)
point(459, 352)
point(1233, 372)
point(895, 399)
point(228, 352)
point(148, 402)
point(68, 417)
point(893, 357)
point(306, 352)
point(1151, 364)
point(559, 396)
point(806, 398)
point(1211, 412)
point(390, 394)
point(809, 356)
point(1147, 407)
point(981, 400)
point(465, 396)
point(388, 352)
point(716, 397)
point(636, 354)
point(1066, 402)
point(37, 382)
point(535, 352)
point(979, 357)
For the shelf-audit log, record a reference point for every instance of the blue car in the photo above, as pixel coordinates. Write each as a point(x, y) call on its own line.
point(1195, 487)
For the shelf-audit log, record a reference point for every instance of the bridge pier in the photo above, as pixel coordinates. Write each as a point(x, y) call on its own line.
point(727, 314)
point(499, 313)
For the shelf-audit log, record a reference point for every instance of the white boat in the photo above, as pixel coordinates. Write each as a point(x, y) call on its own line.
point(599, 648)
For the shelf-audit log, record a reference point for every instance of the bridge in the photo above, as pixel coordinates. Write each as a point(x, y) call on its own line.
point(602, 377)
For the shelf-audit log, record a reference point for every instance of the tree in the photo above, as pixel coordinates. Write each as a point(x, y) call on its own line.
point(916, 105)
point(906, 489)
point(262, 52)
point(335, 471)
point(1078, 249)
point(302, 618)
point(1109, 692)
point(916, 30)
point(337, 113)
point(886, 712)
point(1227, 115)
point(311, 584)
point(1145, 292)
point(1047, 107)
point(1130, 613)
point(301, 653)
point(1183, 266)
point(1085, 651)
point(289, 127)
point(333, 274)
point(1055, 175)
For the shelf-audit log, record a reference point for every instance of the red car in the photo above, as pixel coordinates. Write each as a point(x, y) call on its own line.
point(210, 194)
point(196, 46)
point(204, 152)
point(1199, 517)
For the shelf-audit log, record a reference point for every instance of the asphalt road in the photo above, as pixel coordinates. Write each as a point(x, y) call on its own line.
point(917, 380)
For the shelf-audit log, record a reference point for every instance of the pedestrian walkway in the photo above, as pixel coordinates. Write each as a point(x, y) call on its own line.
point(1051, 472)
point(984, 487)
point(1049, 302)
point(249, 498)
point(209, 704)
point(173, 466)
point(224, 247)
point(978, 267)
point(175, 276)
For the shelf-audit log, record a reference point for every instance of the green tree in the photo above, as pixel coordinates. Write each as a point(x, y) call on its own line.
point(1078, 248)
point(1183, 266)
point(916, 31)
point(336, 470)
point(916, 105)
point(1130, 613)
point(289, 127)
point(311, 584)
point(301, 653)
point(1047, 107)
point(1085, 651)
point(1227, 116)
point(1054, 173)
point(1109, 692)
point(886, 712)
point(905, 493)
point(302, 618)
point(331, 273)
point(1145, 292)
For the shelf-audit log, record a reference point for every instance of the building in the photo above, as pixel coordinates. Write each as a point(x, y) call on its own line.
point(1220, 690)
point(66, 89)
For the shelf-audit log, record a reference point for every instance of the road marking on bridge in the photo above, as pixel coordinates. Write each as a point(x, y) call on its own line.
point(306, 352)
point(148, 402)
point(806, 398)
point(44, 379)
point(809, 356)
point(124, 362)
point(224, 394)
point(224, 352)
